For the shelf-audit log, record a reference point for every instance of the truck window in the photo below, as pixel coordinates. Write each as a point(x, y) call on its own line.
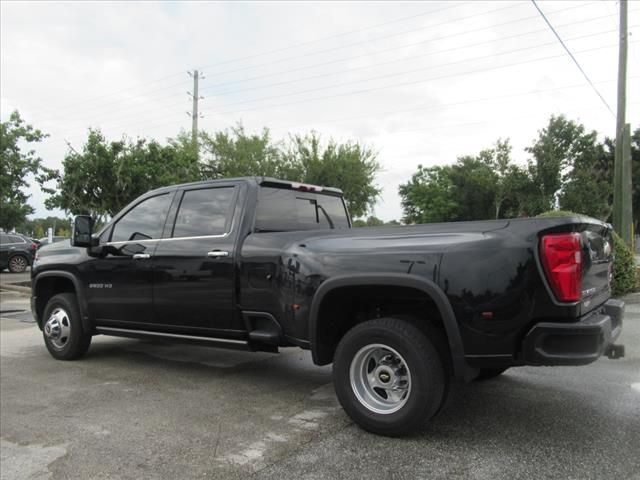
point(282, 210)
point(144, 221)
point(204, 212)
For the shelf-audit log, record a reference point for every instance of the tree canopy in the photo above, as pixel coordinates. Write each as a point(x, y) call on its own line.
point(571, 169)
point(16, 164)
point(483, 186)
point(350, 166)
point(104, 176)
point(568, 168)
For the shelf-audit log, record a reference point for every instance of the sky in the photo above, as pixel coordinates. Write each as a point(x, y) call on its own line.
point(421, 83)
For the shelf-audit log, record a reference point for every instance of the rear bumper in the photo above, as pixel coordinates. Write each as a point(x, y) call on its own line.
point(578, 343)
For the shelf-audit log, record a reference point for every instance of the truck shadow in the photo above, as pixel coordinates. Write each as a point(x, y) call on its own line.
point(255, 370)
point(524, 404)
point(526, 407)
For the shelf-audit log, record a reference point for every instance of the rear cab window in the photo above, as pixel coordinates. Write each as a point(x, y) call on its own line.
point(205, 212)
point(284, 210)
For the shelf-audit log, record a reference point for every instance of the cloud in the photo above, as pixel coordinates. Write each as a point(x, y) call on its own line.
point(422, 83)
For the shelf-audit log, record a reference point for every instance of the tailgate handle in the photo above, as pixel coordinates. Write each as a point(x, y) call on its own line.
point(217, 253)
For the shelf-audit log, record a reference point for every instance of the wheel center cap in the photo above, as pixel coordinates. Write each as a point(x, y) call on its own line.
point(52, 329)
point(384, 377)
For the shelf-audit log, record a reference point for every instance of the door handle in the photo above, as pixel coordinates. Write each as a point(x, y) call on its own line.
point(141, 256)
point(217, 253)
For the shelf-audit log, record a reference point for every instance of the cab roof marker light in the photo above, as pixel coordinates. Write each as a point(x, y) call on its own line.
point(304, 187)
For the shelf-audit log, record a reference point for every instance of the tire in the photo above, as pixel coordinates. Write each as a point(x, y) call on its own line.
point(489, 373)
point(18, 264)
point(62, 328)
point(389, 352)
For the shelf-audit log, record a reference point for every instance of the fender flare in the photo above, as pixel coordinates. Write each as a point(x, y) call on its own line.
point(77, 285)
point(432, 290)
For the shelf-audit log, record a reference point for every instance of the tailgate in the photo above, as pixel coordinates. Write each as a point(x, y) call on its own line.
point(597, 258)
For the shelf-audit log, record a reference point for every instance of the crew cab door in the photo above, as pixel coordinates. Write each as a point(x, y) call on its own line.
point(194, 265)
point(119, 281)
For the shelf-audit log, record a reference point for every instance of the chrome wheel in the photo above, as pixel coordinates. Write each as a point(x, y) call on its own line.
point(58, 328)
point(17, 264)
point(380, 378)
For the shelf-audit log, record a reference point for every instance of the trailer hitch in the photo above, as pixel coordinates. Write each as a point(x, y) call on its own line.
point(614, 352)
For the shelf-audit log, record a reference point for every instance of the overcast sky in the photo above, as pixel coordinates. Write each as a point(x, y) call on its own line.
point(420, 82)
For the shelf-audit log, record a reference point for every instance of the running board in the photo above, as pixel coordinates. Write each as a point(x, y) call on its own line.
point(176, 337)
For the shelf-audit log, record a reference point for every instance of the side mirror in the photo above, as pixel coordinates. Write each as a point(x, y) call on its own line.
point(81, 236)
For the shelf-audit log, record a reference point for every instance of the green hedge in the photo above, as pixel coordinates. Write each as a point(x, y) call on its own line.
point(624, 268)
point(624, 264)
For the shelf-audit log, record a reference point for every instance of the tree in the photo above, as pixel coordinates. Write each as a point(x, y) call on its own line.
point(476, 187)
point(38, 227)
point(373, 221)
point(569, 166)
point(105, 175)
point(15, 166)
point(429, 196)
point(235, 153)
point(349, 166)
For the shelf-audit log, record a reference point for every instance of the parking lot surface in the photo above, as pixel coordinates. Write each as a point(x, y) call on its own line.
point(135, 409)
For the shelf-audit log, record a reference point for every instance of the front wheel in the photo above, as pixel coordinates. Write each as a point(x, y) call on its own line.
point(62, 330)
point(389, 376)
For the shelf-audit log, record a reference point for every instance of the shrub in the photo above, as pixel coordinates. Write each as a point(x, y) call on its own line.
point(624, 267)
point(624, 264)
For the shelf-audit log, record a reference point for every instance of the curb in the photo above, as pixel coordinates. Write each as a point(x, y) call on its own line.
point(16, 288)
point(631, 298)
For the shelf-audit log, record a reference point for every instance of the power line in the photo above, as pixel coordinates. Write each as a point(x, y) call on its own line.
point(368, 90)
point(290, 47)
point(56, 114)
point(331, 37)
point(380, 77)
point(428, 54)
point(107, 95)
point(451, 104)
point(502, 39)
point(402, 84)
point(572, 57)
point(407, 45)
point(118, 109)
point(368, 41)
point(435, 107)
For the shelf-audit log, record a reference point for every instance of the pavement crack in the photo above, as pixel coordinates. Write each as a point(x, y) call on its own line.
point(301, 446)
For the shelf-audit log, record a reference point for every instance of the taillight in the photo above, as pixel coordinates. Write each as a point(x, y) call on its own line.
point(561, 256)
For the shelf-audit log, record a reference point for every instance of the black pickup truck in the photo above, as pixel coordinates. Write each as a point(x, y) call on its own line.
point(259, 263)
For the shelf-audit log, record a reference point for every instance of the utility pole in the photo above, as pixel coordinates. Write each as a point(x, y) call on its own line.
point(622, 214)
point(194, 111)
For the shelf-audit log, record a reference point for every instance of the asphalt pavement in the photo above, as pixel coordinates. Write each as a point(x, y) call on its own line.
point(15, 281)
point(147, 410)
